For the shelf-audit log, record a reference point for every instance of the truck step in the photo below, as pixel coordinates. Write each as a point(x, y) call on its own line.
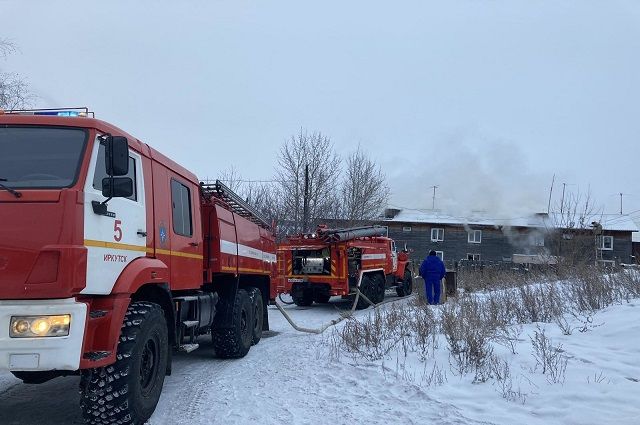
point(187, 348)
point(190, 323)
point(186, 298)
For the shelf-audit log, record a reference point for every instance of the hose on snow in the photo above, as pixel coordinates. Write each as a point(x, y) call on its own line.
point(344, 314)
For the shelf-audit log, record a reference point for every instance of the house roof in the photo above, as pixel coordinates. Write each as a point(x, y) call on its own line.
point(612, 222)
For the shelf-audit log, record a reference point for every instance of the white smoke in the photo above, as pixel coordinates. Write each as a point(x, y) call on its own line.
point(475, 176)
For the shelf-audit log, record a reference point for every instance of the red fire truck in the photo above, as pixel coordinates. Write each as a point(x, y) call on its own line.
point(316, 266)
point(112, 255)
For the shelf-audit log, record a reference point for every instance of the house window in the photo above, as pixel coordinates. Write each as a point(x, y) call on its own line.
point(607, 243)
point(181, 205)
point(473, 257)
point(440, 254)
point(406, 228)
point(475, 236)
point(437, 235)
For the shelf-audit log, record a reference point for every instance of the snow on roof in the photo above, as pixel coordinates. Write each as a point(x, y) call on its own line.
point(613, 222)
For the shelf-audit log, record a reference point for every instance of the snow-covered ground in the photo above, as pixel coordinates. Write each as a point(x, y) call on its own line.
point(290, 377)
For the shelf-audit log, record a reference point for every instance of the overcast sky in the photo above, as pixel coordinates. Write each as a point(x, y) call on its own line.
point(486, 99)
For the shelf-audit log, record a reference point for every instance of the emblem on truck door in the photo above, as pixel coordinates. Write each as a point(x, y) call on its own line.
point(162, 230)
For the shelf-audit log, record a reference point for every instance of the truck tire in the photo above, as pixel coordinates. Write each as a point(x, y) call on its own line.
point(236, 341)
point(258, 311)
point(368, 288)
point(306, 299)
point(406, 288)
point(128, 390)
point(379, 288)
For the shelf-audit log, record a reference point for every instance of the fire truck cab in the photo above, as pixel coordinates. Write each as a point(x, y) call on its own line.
point(112, 255)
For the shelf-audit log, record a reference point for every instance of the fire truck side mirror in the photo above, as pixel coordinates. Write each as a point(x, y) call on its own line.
point(116, 156)
point(117, 187)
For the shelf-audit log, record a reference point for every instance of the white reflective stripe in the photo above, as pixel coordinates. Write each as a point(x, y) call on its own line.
point(268, 257)
point(229, 247)
point(374, 256)
point(247, 251)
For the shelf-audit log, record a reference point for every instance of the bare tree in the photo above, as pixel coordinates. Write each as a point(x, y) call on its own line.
point(14, 92)
point(262, 195)
point(307, 189)
point(307, 176)
point(364, 188)
point(232, 179)
point(574, 229)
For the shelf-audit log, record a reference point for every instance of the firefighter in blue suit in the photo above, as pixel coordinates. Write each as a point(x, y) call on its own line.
point(432, 271)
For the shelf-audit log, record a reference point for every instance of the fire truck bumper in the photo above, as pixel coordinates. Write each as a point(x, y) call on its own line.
point(42, 353)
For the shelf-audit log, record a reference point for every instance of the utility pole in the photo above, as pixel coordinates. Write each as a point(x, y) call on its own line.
point(550, 192)
point(305, 200)
point(433, 203)
point(620, 203)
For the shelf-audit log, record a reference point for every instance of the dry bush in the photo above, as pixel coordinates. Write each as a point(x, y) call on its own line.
point(598, 378)
point(539, 303)
point(626, 284)
point(509, 336)
point(501, 307)
point(548, 357)
point(375, 336)
point(565, 326)
point(494, 277)
point(425, 327)
point(436, 377)
point(400, 320)
point(468, 333)
point(487, 278)
point(590, 290)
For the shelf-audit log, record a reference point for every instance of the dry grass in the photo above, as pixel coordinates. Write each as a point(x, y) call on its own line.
point(476, 320)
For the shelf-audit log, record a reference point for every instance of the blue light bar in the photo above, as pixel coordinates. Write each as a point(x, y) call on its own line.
point(58, 113)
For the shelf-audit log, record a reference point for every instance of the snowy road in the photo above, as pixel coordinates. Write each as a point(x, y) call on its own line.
point(286, 378)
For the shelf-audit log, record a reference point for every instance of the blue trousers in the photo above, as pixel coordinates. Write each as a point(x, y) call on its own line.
point(432, 289)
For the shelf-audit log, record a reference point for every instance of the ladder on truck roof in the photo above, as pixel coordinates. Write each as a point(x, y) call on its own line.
point(234, 201)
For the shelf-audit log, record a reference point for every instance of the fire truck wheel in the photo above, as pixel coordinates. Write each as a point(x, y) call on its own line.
point(379, 288)
point(406, 287)
point(306, 299)
point(128, 390)
point(236, 341)
point(258, 310)
point(368, 288)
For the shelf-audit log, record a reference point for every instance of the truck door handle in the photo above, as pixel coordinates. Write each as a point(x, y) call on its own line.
point(141, 233)
point(194, 243)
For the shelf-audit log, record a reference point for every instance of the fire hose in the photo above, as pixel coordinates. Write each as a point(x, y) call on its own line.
point(344, 314)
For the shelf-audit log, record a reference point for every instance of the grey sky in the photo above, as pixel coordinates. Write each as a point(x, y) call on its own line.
point(487, 99)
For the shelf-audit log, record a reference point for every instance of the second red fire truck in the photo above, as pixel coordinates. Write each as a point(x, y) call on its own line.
point(313, 267)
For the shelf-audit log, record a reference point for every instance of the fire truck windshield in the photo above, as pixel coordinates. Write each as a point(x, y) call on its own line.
point(40, 157)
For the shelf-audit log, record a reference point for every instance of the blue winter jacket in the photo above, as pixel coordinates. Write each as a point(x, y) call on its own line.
point(432, 269)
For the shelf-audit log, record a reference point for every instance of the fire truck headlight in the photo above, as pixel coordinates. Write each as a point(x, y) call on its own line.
point(39, 326)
